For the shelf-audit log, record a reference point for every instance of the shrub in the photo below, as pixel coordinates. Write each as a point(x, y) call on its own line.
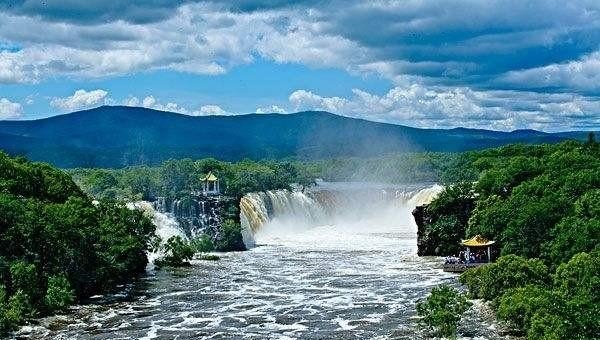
point(209, 257)
point(442, 309)
point(15, 311)
point(59, 294)
point(519, 305)
point(24, 278)
point(178, 252)
point(545, 326)
point(473, 279)
point(577, 282)
point(202, 244)
point(508, 272)
point(229, 237)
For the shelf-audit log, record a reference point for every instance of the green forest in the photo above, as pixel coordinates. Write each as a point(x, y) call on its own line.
point(542, 205)
point(57, 247)
point(175, 178)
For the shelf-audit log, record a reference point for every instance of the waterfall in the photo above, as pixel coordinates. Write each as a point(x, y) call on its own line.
point(336, 208)
point(166, 224)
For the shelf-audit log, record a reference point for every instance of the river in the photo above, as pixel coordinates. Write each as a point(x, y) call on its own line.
point(347, 275)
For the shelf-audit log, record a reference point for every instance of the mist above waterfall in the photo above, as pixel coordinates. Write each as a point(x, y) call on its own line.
point(333, 215)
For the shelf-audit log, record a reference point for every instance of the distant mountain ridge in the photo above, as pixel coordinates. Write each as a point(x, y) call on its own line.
point(117, 136)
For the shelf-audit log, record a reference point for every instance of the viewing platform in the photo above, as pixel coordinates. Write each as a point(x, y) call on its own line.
point(477, 254)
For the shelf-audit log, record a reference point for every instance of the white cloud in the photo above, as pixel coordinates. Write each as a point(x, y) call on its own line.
point(582, 74)
point(444, 107)
point(81, 99)
point(151, 102)
point(211, 110)
point(271, 109)
point(306, 100)
point(10, 110)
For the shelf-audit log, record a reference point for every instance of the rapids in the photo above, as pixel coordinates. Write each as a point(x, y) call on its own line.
point(334, 262)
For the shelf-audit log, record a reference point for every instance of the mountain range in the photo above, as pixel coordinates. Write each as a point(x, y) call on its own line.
point(117, 136)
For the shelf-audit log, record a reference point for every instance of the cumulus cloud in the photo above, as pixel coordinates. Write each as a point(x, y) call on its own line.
point(582, 74)
point(271, 109)
point(211, 110)
point(81, 99)
point(443, 107)
point(151, 102)
point(10, 110)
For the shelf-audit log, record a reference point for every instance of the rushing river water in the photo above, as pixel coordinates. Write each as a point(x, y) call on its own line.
point(346, 280)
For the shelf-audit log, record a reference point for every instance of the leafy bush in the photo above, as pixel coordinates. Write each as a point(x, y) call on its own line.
point(229, 237)
point(15, 310)
point(577, 233)
point(577, 282)
point(546, 326)
point(441, 310)
point(59, 294)
point(511, 271)
point(202, 244)
point(209, 257)
point(519, 305)
point(178, 252)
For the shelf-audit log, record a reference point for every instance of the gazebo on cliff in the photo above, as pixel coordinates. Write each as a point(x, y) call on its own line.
point(210, 184)
point(479, 243)
point(478, 252)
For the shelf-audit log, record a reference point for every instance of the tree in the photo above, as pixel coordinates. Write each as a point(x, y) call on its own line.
point(59, 294)
point(178, 252)
point(519, 305)
point(509, 272)
point(441, 310)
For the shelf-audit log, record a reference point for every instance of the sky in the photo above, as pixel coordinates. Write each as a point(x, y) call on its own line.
point(502, 65)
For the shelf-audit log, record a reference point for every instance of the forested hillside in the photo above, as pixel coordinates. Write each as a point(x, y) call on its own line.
point(542, 205)
point(56, 245)
point(128, 136)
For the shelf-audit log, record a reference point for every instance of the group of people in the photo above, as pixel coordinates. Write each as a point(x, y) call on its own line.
point(479, 256)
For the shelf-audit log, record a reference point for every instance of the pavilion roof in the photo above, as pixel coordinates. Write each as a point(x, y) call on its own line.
point(209, 177)
point(477, 241)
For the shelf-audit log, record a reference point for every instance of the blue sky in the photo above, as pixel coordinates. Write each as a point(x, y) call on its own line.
point(500, 65)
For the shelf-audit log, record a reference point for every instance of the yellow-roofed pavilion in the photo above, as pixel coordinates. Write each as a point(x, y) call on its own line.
point(478, 241)
point(210, 184)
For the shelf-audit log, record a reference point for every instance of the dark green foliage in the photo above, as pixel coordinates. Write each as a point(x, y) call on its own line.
point(579, 232)
point(56, 246)
point(535, 201)
point(178, 252)
point(209, 257)
point(202, 244)
point(14, 310)
point(59, 294)
point(441, 310)
point(519, 305)
point(548, 326)
point(230, 237)
point(541, 203)
point(448, 216)
point(508, 272)
point(578, 282)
